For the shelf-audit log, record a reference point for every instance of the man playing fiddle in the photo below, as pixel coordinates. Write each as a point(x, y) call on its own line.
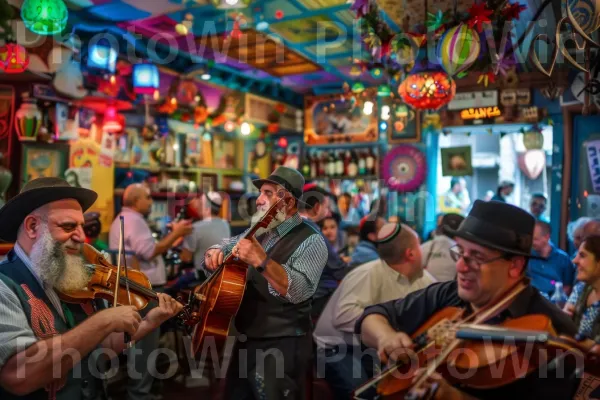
point(492, 249)
point(285, 264)
point(45, 343)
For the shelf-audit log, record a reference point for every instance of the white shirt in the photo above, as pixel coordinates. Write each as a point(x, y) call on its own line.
point(437, 259)
point(366, 285)
point(139, 240)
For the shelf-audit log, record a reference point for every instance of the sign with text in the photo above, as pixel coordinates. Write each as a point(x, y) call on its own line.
point(480, 113)
point(593, 156)
point(486, 98)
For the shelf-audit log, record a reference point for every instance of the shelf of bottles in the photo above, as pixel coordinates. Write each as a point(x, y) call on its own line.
point(354, 163)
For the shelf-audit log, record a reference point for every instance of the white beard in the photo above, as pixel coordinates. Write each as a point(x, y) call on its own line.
point(278, 220)
point(57, 268)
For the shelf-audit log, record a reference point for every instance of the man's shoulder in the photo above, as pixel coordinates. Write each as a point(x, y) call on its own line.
point(560, 320)
point(366, 269)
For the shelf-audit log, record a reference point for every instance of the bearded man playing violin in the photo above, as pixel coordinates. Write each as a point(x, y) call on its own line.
point(46, 345)
point(285, 265)
point(493, 246)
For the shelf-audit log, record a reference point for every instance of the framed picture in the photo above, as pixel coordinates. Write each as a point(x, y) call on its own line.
point(405, 125)
point(43, 160)
point(208, 182)
point(456, 161)
point(330, 120)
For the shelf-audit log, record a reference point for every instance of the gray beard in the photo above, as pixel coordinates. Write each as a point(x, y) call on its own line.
point(57, 268)
point(278, 220)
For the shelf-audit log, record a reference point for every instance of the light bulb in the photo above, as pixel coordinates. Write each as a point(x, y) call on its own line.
point(368, 108)
point(385, 113)
point(245, 129)
point(206, 76)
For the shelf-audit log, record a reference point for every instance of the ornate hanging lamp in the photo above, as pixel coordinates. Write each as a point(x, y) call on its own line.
point(45, 17)
point(14, 58)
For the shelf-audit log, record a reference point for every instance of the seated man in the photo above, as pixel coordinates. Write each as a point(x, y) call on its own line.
point(208, 231)
point(45, 343)
point(396, 274)
point(553, 264)
point(493, 246)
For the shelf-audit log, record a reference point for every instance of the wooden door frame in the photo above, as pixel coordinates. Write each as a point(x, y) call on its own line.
point(569, 114)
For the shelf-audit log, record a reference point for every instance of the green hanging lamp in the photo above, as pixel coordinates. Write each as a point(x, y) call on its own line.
point(45, 17)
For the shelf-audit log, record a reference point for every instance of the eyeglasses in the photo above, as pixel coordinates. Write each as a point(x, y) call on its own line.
point(475, 262)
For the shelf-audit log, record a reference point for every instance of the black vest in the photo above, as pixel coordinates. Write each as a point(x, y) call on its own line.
point(46, 322)
point(262, 315)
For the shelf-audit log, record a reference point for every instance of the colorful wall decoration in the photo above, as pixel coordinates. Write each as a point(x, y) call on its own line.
point(349, 119)
point(85, 154)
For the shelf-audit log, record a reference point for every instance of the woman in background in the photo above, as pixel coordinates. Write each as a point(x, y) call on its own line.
point(336, 237)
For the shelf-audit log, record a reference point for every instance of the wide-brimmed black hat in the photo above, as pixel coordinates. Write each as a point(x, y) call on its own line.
point(497, 225)
point(290, 179)
point(35, 194)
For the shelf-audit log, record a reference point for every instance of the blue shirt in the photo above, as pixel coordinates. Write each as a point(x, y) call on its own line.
point(364, 252)
point(557, 267)
point(589, 314)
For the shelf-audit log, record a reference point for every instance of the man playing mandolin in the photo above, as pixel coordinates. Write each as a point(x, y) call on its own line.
point(493, 247)
point(285, 264)
point(45, 343)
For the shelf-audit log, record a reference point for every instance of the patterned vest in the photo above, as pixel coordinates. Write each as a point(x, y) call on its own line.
point(46, 322)
point(580, 309)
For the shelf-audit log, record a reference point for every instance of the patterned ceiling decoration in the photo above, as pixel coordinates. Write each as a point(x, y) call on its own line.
point(316, 40)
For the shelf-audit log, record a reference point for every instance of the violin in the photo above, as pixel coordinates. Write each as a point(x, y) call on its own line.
point(103, 281)
point(132, 287)
point(465, 350)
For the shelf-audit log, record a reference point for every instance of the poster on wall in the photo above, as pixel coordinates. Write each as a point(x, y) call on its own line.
point(456, 161)
point(42, 161)
point(79, 177)
point(405, 126)
point(334, 120)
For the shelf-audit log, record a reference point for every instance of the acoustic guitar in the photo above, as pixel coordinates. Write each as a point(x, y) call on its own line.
point(215, 303)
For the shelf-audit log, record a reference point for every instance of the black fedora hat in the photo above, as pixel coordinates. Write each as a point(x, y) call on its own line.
point(451, 221)
point(290, 179)
point(497, 225)
point(35, 194)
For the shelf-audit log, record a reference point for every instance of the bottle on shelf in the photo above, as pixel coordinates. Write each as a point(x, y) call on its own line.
point(362, 164)
point(347, 160)
point(339, 164)
point(370, 162)
point(353, 166)
point(314, 166)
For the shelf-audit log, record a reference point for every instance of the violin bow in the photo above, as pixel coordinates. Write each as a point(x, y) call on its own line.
point(128, 340)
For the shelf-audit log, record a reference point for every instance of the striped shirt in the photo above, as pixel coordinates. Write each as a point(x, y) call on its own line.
point(303, 268)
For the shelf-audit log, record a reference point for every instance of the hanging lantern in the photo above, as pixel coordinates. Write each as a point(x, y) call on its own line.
point(358, 87)
point(427, 90)
point(28, 119)
point(458, 49)
point(44, 17)
point(384, 91)
point(112, 122)
point(282, 142)
point(102, 57)
point(376, 72)
point(533, 140)
point(14, 58)
point(146, 78)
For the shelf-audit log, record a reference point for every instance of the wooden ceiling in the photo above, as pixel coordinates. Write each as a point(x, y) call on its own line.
point(260, 51)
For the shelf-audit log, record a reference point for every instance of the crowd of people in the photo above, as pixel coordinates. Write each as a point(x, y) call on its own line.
point(312, 295)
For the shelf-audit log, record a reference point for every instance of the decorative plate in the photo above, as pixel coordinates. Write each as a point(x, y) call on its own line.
point(404, 168)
